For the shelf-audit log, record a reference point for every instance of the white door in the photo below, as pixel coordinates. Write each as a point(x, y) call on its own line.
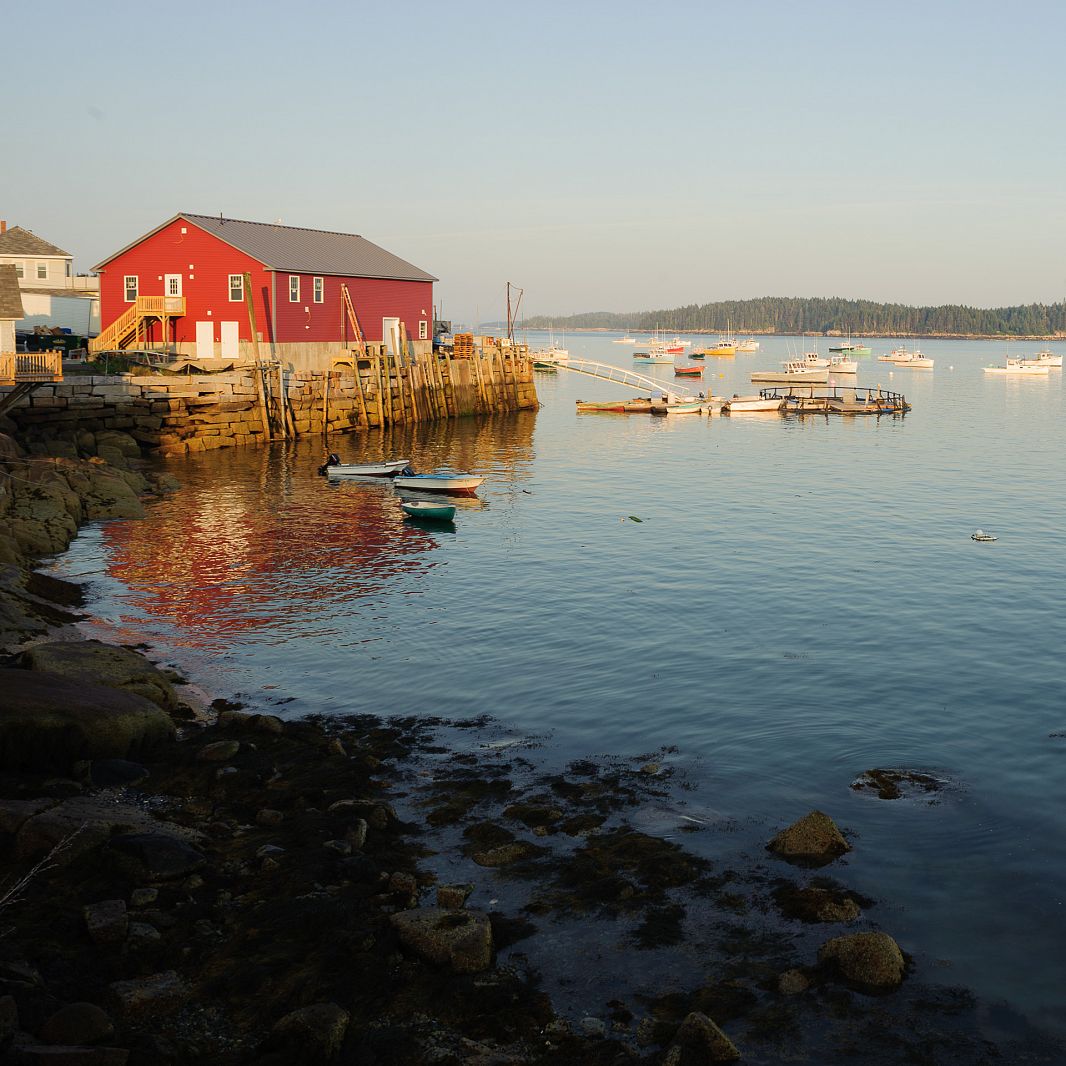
point(390, 334)
point(205, 340)
point(171, 284)
point(230, 339)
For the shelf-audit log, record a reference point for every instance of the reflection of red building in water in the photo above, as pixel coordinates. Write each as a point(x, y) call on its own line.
point(187, 276)
point(238, 561)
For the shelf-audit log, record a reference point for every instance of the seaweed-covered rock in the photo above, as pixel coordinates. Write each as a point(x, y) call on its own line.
point(826, 902)
point(812, 841)
point(871, 962)
point(77, 1023)
point(106, 923)
point(104, 664)
point(159, 993)
point(700, 1041)
point(460, 939)
point(318, 1029)
point(895, 784)
point(49, 722)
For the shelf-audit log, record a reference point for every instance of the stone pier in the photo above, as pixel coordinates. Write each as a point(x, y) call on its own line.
point(175, 414)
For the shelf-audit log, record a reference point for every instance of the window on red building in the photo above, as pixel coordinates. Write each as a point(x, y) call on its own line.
point(236, 288)
point(130, 282)
point(294, 288)
point(320, 291)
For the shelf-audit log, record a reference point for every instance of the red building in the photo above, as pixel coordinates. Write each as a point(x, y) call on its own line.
point(194, 267)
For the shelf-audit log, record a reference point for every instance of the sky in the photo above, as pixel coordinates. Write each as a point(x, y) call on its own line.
point(603, 156)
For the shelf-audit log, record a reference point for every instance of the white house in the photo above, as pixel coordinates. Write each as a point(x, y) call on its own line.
point(10, 309)
point(52, 294)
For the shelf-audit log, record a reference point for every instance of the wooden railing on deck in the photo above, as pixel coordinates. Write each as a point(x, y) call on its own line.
point(38, 366)
point(7, 368)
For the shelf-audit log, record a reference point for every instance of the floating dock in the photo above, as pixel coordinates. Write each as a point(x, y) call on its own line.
point(848, 400)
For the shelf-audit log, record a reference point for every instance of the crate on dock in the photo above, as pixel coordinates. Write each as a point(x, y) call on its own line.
point(464, 346)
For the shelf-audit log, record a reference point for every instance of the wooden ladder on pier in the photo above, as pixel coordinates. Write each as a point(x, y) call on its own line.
point(353, 318)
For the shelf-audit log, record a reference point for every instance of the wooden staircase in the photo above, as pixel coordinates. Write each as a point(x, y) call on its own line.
point(131, 326)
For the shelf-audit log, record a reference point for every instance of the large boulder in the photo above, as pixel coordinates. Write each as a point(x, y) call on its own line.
point(154, 856)
point(812, 841)
point(48, 722)
point(871, 962)
point(103, 664)
point(459, 939)
point(78, 825)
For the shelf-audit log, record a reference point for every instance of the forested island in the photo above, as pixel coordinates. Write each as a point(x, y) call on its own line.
point(778, 314)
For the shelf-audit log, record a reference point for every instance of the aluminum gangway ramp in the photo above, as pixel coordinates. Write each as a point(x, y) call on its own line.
point(629, 378)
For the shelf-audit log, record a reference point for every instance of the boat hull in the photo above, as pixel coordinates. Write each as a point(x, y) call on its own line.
point(752, 404)
point(771, 377)
point(455, 486)
point(434, 512)
point(390, 469)
point(1019, 371)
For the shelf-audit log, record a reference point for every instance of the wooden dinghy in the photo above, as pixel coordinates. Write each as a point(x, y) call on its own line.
point(637, 405)
point(434, 512)
point(333, 467)
point(688, 371)
point(453, 484)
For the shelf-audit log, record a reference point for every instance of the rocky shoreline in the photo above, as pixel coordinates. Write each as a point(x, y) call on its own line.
point(231, 888)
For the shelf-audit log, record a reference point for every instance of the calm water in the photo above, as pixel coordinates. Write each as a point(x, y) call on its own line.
point(800, 602)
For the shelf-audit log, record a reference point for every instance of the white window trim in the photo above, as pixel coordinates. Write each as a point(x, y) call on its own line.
point(423, 330)
point(20, 270)
point(294, 298)
point(44, 276)
point(126, 279)
point(68, 269)
point(318, 290)
point(240, 285)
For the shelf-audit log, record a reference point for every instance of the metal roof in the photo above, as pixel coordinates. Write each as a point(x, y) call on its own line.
point(10, 297)
point(19, 241)
point(302, 251)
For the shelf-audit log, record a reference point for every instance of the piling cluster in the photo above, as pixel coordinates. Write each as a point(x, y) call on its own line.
point(177, 414)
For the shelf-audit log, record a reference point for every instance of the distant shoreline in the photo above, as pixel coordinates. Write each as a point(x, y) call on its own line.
point(826, 336)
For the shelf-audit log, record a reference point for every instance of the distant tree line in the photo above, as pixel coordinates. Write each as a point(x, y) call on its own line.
point(777, 314)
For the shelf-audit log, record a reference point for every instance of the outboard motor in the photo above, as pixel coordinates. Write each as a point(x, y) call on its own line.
point(332, 459)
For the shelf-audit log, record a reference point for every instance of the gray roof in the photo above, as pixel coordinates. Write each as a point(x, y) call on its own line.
point(10, 297)
point(19, 241)
point(303, 251)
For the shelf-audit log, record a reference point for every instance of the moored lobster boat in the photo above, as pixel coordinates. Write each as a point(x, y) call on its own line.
point(1017, 370)
point(688, 371)
point(795, 373)
point(455, 484)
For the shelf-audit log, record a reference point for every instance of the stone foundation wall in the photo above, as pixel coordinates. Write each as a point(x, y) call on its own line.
point(177, 414)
